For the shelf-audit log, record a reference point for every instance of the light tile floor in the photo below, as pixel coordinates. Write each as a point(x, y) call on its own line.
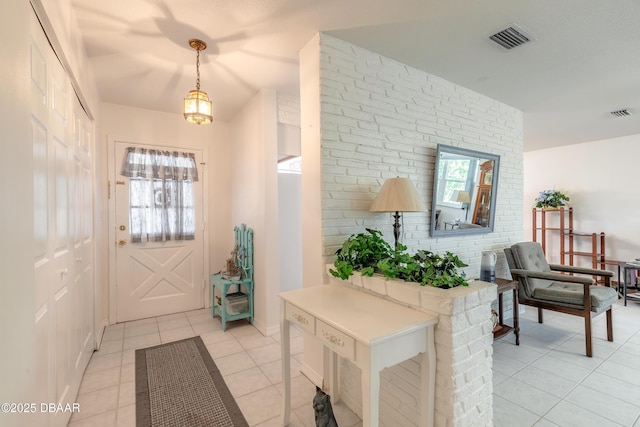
point(546, 381)
point(249, 362)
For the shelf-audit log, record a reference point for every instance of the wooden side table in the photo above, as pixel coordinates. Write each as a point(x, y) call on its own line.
point(628, 268)
point(503, 286)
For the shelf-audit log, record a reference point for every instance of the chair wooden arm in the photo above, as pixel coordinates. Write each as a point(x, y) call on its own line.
point(584, 270)
point(552, 276)
point(580, 270)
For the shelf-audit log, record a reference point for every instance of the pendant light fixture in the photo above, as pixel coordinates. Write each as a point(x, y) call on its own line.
point(197, 107)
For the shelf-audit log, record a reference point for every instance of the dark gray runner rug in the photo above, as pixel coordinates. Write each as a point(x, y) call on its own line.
point(178, 384)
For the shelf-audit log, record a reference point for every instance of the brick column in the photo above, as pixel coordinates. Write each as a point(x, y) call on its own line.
point(464, 351)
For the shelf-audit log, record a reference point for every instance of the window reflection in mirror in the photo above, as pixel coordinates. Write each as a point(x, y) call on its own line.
point(464, 194)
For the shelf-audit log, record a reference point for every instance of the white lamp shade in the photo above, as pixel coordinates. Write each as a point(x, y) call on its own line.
point(463, 197)
point(397, 195)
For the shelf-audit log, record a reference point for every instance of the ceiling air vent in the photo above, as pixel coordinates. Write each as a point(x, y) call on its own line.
point(511, 37)
point(621, 113)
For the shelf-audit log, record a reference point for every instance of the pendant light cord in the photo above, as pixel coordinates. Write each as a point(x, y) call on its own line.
point(198, 70)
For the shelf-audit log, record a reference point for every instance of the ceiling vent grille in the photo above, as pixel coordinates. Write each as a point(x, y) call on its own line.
point(511, 37)
point(621, 113)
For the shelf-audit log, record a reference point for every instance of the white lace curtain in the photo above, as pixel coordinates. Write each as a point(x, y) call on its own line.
point(160, 194)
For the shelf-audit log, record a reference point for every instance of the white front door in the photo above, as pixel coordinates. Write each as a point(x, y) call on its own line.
point(156, 278)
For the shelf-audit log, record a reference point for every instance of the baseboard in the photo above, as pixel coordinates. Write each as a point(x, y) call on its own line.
point(267, 331)
point(273, 330)
point(100, 332)
point(260, 327)
point(311, 374)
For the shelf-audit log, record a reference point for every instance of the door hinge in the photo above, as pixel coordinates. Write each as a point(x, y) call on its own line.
point(108, 190)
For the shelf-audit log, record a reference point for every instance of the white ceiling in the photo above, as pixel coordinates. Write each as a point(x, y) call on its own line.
point(584, 63)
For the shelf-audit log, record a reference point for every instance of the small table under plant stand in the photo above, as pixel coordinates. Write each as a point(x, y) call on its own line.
point(505, 285)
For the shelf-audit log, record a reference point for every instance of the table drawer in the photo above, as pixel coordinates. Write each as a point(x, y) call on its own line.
point(301, 318)
point(337, 341)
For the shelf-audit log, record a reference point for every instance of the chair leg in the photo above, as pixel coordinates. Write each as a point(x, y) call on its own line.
point(539, 315)
point(609, 325)
point(587, 334)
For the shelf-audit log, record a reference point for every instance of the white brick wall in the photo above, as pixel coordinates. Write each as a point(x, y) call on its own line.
point(381, 119)
point(464, 348)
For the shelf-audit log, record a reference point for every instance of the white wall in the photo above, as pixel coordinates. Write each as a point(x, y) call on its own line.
point(311, 143)
point(288, 126)
point(290, 238)
point(289, 195)
point(254, 187)
point(601, 178)
point(153, 126)
point(16, 216)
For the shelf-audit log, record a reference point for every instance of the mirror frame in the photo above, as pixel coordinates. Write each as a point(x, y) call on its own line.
point(494, 191)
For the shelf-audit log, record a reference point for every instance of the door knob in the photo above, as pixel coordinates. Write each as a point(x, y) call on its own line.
point(122, 242)
point(122, 228)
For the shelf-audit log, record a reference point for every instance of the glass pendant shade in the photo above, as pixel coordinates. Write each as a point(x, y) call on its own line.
point(198, 108)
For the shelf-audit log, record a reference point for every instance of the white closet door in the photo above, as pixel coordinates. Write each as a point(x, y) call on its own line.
point(63, 260)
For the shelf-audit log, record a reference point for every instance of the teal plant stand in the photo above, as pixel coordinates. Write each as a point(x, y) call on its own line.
point(222, 287)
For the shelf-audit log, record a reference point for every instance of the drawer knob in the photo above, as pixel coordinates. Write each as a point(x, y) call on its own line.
point(300, 319)
point(332, 338)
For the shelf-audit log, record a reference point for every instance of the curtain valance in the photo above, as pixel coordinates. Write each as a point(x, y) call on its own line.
point(157, 164)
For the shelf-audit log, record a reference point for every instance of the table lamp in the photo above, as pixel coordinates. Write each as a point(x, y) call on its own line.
point(397, 195)
point(464, 198)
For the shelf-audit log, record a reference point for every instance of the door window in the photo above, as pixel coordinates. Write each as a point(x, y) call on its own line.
point(160, 194)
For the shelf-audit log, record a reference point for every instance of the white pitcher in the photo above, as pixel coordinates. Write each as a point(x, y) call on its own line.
point(488, 266)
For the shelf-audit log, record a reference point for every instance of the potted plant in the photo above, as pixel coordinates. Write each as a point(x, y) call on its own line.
point(551, 199)
point(360, 252)
point(424, 267)
point(369, 254)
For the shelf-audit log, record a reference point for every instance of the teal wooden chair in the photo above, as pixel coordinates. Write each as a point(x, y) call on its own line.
point(222, 287)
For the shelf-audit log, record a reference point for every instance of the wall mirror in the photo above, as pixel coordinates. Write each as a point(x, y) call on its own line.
point(464, 191)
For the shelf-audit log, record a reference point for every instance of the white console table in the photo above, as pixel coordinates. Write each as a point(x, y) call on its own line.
point(372, 332)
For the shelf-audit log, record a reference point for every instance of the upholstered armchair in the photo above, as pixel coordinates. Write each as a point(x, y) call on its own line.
point(541, 285)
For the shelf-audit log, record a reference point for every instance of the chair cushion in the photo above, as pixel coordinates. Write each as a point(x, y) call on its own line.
point(529, 256)
point(570, 295)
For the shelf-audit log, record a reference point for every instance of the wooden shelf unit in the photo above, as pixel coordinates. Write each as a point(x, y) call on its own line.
point(565, 225)
point(597, 253)
point(569, 238)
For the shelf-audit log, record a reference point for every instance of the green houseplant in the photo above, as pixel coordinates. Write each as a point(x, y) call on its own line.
point(368, 253)
point(551, 199)
point(361, 252)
